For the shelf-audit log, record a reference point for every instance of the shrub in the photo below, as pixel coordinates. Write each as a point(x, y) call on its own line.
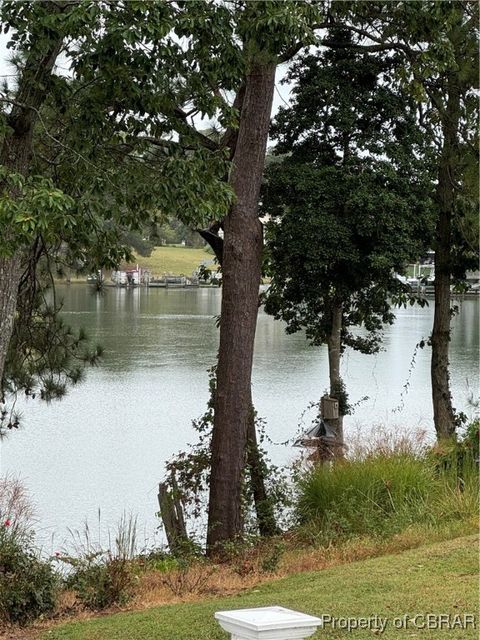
point(271, 561)
point(254, 555)
point(191, 576)
point(156, 560)
point(15, 506)
point(28, 585)
point(456, 467)
point(471, 437)
point(102, 578)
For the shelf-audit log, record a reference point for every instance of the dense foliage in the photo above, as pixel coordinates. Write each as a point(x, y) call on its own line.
point(349, 197)
point(28, 584)
point(104, 162)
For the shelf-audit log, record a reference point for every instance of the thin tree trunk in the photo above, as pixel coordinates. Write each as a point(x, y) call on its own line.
point(10, 272)
point(443, 412)
point(15, 155)
point(267, 525)
point(240, 285)
point(334, 354)
point(171, 512)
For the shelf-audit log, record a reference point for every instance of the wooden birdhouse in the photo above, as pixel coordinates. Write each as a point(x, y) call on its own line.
point(329, 408)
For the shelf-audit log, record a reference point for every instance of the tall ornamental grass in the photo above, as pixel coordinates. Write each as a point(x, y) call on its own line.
point(384, 493)
point(103, 577)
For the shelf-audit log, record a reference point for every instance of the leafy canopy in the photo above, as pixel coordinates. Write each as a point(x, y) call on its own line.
point(349, 201)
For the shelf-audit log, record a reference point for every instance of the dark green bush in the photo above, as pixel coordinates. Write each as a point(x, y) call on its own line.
point(28, 585)
point(458, 457)
point(155, 560)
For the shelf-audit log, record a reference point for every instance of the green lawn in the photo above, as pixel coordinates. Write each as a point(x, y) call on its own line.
point(439, 579)
point(174, 260)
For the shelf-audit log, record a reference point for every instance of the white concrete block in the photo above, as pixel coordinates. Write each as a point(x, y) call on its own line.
point(267, 623)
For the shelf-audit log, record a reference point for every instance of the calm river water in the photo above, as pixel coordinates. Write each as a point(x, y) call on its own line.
point(104, 445)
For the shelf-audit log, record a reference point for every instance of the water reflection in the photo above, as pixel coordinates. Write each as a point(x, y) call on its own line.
point(105, 444)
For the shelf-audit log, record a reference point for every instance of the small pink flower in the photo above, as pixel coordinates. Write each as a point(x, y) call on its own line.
point(7, 522)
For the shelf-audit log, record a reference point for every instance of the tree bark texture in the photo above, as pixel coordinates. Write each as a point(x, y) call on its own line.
point(443, 412)
point(334, 354)
point(242, 254)
point(15, 155)
point(10, 273)
point(266, 521)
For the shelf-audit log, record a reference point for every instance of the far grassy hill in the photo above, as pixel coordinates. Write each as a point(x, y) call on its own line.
point(174, 260)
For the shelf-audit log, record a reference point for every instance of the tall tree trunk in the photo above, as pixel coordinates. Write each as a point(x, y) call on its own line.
point(267, 525)
point(15, 155)
point(240, 285)
point(443, 412)
point(334, 352)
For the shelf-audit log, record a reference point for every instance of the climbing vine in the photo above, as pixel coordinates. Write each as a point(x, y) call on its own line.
point(188, 473)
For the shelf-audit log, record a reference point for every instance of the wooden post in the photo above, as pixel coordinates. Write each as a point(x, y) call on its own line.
point(171, 512)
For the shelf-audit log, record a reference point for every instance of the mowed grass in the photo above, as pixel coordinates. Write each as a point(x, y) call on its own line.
point(439, 579)
point(174, 260)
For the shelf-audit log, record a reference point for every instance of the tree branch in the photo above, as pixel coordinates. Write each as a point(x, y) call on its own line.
point(202, 138)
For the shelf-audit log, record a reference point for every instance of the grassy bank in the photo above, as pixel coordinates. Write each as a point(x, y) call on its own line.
point(439, 578)
point(174, 260)
point(381, 503)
